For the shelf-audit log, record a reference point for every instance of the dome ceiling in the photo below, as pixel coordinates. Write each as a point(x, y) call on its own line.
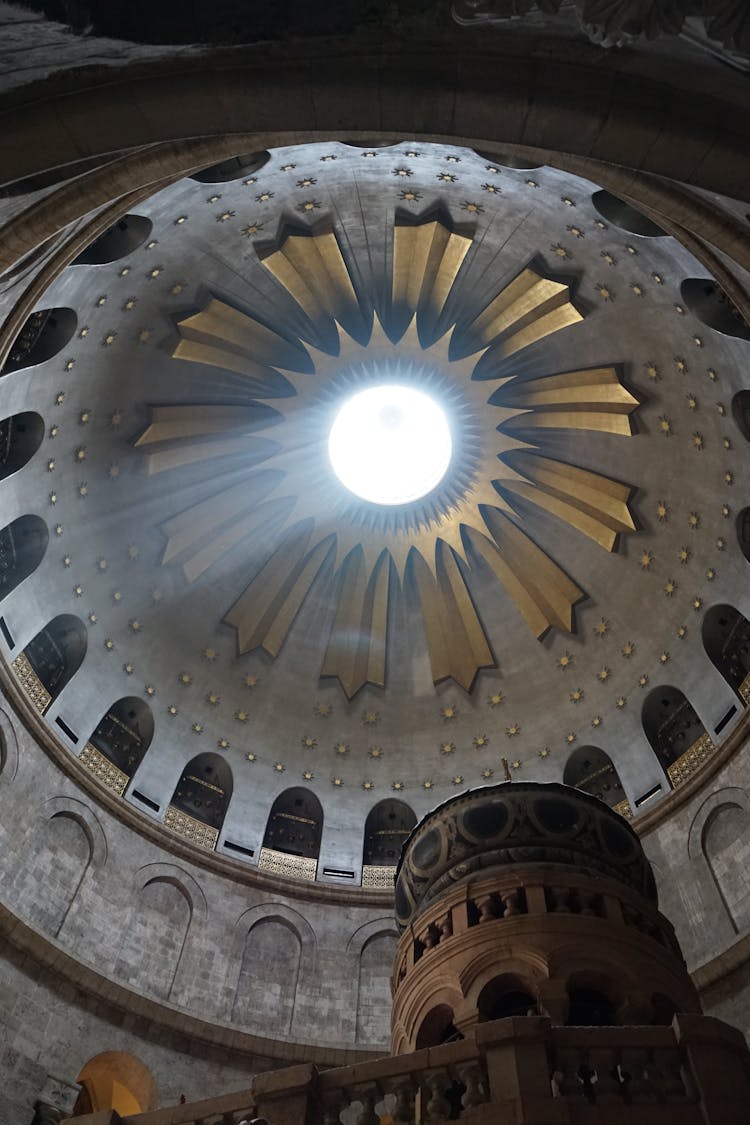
point(523, 609)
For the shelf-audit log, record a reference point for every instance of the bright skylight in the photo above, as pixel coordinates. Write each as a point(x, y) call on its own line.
point(390, 444)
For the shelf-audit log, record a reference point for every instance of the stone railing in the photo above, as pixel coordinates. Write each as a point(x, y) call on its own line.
point(382, 878)
point(287, 865)
point(30, 683)
point(522, 1069)
point(506, 898)
point(203, 835)
point(104, 770)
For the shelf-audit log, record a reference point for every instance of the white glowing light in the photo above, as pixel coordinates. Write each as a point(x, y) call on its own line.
point(390, 444)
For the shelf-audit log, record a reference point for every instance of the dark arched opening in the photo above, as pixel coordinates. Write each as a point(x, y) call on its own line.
point(204, 790)
point(741, 412)
point(44, 334)
point(387, 826)
point(295, 824)
point(621, 214)
point(437, 1027)
point(589, 1007)
point(119, 240)
point(20, 437)
point(54, 655)
point(664, 1010)
point(22, 547)
point(504, 996)
point(743, 532)
point(124, 734)
point(726, 639)
point(246, 164)
point(713, 307)
point(593, 771)
point(508, 160)
point(671, 725)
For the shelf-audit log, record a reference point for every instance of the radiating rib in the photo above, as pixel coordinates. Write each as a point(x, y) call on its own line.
point(264, 612)
point(539, 587)
point(456, 641)
point(426, 261)
point(526, 310)
point(312, 270)
point(356, 651)
point(596, 505)
point(229, 332)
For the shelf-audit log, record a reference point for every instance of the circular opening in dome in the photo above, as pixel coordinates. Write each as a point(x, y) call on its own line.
point(390, 444)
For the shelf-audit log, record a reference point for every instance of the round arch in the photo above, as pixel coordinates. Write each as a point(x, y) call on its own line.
point(117, 241)
point(204, 789)
point(741, 412)
point(670, 724)
point(726, 638)
point(43, 335)
point(592, 770)
point(57, 651)
point(388, 824)
point(624, 215)
point(124, 733)
point(295, 823)
point(20, 437)
point(23, 545)
point(116, 1080)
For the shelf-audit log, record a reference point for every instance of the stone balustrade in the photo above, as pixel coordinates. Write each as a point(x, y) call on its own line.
point(520, 1069)
point(500, 899)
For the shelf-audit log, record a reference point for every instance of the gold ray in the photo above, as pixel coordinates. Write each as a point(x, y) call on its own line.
point(426, 261)
point(596, 505)
point(456, 641)
point(357, 648)
point(225, 333)
point(265, 611)
point(541, 590)
point(312, 269)
point(594, 388)
point(529, 308)
point(174, 423)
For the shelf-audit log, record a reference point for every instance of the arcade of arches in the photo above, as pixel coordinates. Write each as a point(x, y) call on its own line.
point(231, 688)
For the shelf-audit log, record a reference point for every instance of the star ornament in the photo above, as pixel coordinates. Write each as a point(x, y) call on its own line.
point(296, 520)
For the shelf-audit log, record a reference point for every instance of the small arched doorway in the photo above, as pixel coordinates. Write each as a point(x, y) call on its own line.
point(121, 737)
point(291, 844)
point(20, 437)
point(201, 799)
point(387, 826)
point(677, 736)
point(115, 1080)
point(44, 334)
point(592, 771)
point(51, 659)
point(726, 639)
point(119, 240)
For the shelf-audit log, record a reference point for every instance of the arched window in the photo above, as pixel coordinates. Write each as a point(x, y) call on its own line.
point(44, 334)
point(508, 160)
point(713, 307)
point(387, 826)
point(115, 1080)
point(589, 1007)
point(506, 995)
point(244, 165)
point(51, 659)
point(20, 437)
point(726, 639)
point(122, 238)
point(124, 734)
point(592, 771)
point(203, 793)
point(741, 412)
point(673, 728)
point(743, 532)
point(622, 215)
point(22, 547)
point(437, 1027)
point(295, 824)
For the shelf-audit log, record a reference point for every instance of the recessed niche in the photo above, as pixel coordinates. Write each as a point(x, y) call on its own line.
point(227, 170)
point(623, 215)
point(710, 304)
point(44, 334)
point(119, 240)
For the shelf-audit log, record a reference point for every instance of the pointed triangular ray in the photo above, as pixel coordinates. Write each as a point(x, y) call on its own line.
point(264, 612)
point(426, 261)
point(456, 641)
point(226, 332)
point(542, 591)
point(356, 650)
point(529, 308)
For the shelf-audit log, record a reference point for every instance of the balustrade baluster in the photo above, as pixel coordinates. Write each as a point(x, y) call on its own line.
point(437, 1108)
point(473, 1079)
point(403, 1111)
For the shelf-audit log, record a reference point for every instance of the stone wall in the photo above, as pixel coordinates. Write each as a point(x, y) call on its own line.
point(701, 858)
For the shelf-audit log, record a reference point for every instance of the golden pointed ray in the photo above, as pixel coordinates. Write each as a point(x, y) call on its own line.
point(356, 650)
point(193, 525)
point(594, 504)
point(264, 612)
point(228, 333)
point(426, 261)
point(541, 590)
point(529, 308)
point(312, 270)
point(589, 389)
point(174, 423)
point(456, 641)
